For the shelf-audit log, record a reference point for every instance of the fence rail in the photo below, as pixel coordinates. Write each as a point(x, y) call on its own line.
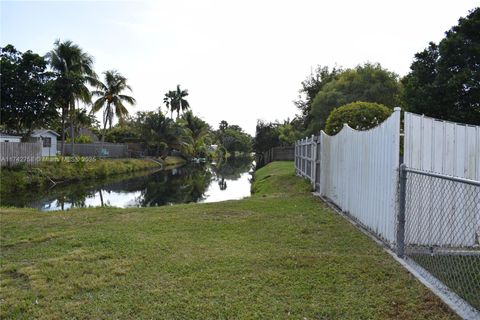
point(14, 153)
point(431, 219)
point(109, 150)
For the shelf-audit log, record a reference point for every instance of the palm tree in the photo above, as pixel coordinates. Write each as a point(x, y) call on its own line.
point(74, 69)
point(110, 95)
point(169, 101)
point(175, 101)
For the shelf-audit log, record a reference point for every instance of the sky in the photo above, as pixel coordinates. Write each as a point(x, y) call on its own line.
point(240, 60)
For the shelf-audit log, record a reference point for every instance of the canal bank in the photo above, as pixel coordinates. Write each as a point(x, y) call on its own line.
point(28, 179)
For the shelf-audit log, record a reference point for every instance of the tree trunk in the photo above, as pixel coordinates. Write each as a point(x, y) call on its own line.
point(104, 128)
point(72, 127)
point(63, 132)
point(101, 197)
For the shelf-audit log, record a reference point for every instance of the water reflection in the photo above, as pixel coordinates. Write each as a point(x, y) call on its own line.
point(192, 183)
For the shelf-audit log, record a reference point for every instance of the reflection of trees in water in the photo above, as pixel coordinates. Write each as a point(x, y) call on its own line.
point(232, 169)
point(181, 185)
point(184, 185)
point(222, 184)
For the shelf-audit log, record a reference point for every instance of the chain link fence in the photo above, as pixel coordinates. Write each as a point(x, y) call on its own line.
point(442, 231)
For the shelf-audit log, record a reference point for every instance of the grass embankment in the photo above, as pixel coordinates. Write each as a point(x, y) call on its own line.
point(26, 179)
point(279, 254)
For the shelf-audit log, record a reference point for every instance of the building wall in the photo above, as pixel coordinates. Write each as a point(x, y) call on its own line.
point(10, 139)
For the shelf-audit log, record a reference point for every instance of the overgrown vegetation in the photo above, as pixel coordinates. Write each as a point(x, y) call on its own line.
point(29, 179)
point(279, 254)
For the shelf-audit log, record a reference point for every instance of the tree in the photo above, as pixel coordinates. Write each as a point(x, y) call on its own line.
point(234, 139)
point(370, 83)
point(110, 95)
point(266, 137)
point(25, 97)
point(223, 125)
point(199, 130)
point(74, 69)
point(310, 87)
point(358, 115)
point(162, 134)
point(175, 100)
point(169, 99)
point(444, 81)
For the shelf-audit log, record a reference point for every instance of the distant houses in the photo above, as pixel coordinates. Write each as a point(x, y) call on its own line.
point(48, 138)
point(9, 138)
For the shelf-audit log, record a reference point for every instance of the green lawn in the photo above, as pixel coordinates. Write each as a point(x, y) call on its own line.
point(279, 254)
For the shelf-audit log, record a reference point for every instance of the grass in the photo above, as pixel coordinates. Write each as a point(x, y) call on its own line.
point(279, 254)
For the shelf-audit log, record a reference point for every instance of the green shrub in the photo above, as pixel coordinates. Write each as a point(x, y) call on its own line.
point(358, 115)
point(81, 139)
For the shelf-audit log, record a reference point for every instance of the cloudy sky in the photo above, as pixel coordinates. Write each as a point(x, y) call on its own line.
point(240, 60)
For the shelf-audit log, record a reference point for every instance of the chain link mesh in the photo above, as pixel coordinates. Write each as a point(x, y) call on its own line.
point(442, 231)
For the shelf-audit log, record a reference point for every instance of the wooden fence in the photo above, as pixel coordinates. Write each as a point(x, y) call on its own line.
point(109, 150)
point(14, 153)
point(276, 154)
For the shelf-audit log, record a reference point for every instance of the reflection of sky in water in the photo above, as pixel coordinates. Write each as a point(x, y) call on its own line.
point(215, 191)
point(236, 189)
point(110, 198)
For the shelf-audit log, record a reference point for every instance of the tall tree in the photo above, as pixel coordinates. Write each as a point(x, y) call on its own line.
point(175, 101)
point(310, 87)
point(74, 69)
point(161, 133)
point(444, 81)
point(111, 99)
point(199, 131)
point(25, 83)
point(368, 82)
point(169, 99)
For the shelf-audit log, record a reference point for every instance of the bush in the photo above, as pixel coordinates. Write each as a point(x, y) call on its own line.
point(358, 115)
point(81, 139)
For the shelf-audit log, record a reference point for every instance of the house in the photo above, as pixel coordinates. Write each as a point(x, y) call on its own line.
point(48, 139)
point(9, 138)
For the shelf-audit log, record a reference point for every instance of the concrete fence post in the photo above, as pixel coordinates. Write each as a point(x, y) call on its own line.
point(401, 211)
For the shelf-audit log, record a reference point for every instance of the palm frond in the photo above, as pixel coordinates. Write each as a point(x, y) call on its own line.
point(128, 99)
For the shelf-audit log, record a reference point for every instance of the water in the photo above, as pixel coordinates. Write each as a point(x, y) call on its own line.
point(191, 183)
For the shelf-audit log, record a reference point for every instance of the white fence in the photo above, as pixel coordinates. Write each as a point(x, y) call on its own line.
point(441, 146)
point(359, 173)
point(451, 149)
point(14, 153)
point(305, 156)
point(427, 209)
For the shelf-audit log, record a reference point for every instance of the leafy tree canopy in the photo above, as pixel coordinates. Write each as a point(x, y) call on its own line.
point(368, 82)
point(25, 91)
point(310, 87)
point(358, 115)
point(444, 81)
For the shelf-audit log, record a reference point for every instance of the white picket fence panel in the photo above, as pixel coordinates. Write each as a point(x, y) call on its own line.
point(359, 173)
point(305, 151)
point(442, 147)
point(451, 149)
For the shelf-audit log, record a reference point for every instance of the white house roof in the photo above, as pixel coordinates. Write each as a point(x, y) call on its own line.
point(39, 132)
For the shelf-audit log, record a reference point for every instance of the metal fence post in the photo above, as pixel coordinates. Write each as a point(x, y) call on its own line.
point(401, 211)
